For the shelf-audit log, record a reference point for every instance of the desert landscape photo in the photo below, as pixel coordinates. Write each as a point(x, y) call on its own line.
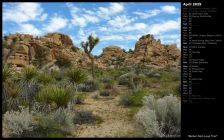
point(77, 70)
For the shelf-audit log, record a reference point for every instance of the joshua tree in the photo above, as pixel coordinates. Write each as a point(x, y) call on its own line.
point(88, 47)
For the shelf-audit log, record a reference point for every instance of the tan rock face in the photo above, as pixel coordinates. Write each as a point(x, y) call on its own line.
point(112, 56)
point(152, 52)
point(20, 51)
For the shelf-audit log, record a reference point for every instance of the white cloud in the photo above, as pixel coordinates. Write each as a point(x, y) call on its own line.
point(91, 19)
point(23, 12)
point(112, 37)
point(43, 17)
point(103, 29)
point(148, 14)
point(56, 23)
point(29, 29)
point(169, 9)
point(79, 18)
point(135, 27)
point(83, 20)
point(72, 8)
point(164, 26)
point(169, 39)
point(120, 21)
point(114, 8)
point(118, 37)
point(81, 32)
point(79, 21)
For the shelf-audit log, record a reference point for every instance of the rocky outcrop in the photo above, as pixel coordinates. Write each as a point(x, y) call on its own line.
point(152, 53)
point(20, 50)
point(112, 56)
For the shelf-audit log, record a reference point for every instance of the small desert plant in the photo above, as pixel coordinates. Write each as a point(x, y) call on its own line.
point(160, 118)
point(63, 62)
point(45, 78)
point(79, 99)
point(27, 80)
point(132, 100)
point(88, 86)
point(28, 74)
point(104, 93)
point(54, 94)
point(76, 77)
point(65, 117)
point(18, 121)
point(125, 101)
point(96, 96)
point(6, 74)
point(110, 84)
point(13, 94)
point(56, 75)
point(55, 135)
point(84, 117)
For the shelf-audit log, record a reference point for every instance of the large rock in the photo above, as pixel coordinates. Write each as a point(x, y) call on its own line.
point(112, 56)
point(20, 49)
point(152, 53)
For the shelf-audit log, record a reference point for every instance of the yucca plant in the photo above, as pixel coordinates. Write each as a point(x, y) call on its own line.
point(28, 74)
point(54, 94)
point(75, 77)
point(27, 80)
point(13, 94)
point(6, 74)
point(44, 78)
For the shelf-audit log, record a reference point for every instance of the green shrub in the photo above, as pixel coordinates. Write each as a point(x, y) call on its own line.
point(6, 73)
point(132, 100)
point(56, 75)
point(74, 49)
point(54, 94)
point(84, 117)
point(79, 99)
point(55, 135)
point(45, 78)
point(75, 77)
point(88, 86)
point(110, 84)
point(161, 117)
point(28, 74)
point(18, 121)
point(63, 63)
point(125, 101)
point(95, 96)
point(104, 93)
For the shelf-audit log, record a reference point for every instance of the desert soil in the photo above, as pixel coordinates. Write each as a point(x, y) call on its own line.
point(115, 119)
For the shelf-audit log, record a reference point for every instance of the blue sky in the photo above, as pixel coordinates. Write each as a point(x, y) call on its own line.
point(118, 24)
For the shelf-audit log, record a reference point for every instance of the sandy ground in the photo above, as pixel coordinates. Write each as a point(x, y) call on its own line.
point(116, 122)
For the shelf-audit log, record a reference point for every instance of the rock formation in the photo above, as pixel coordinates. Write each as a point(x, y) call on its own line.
point(20, 50)
point(112, 56)
point(152, 53)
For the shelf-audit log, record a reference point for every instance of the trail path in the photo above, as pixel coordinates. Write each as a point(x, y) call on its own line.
point(116, 122)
